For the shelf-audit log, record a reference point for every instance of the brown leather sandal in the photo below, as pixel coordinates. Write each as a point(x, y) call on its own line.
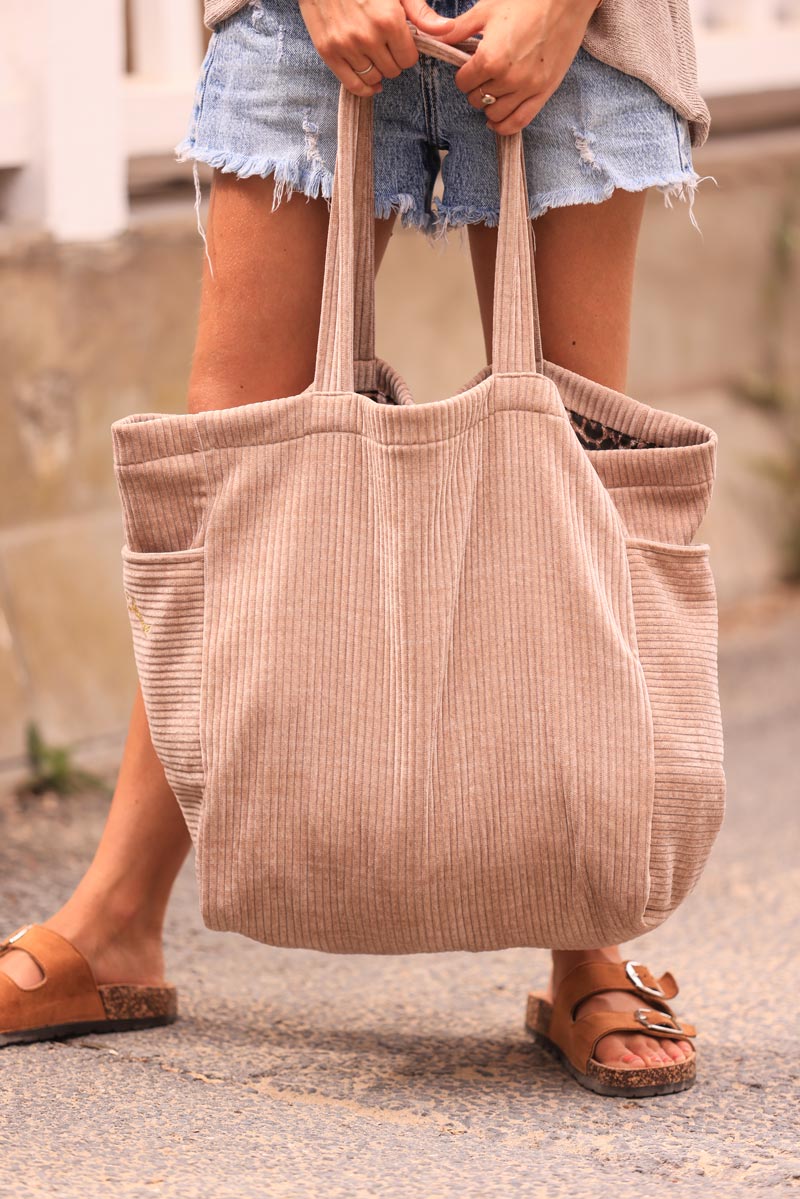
point(67, 1002)
point(573, 1041)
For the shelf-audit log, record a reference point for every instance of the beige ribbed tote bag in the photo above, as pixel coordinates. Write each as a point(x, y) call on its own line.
point(429, 676)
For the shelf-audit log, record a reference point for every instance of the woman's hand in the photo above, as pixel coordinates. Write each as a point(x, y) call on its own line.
point(351, 34)
point(525, 52)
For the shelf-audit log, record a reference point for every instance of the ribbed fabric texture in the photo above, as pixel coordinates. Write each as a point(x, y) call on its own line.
point(428, 677)
point(166, 599)
point(650, 39)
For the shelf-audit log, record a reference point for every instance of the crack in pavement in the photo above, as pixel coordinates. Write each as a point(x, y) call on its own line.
point(256, 1084)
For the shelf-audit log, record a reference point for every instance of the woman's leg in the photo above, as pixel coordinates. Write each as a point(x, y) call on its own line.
point(256, 340)
point(116, 912)
point(585, 257)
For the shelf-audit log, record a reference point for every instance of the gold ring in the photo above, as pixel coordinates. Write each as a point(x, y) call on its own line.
point(487, 99)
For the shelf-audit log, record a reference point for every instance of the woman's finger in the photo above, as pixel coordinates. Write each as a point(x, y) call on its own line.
point(501, 93)
point(484, 64)
point(359, 85)
point(402, 48)
point(521, 116)
point(426, 19)
point(382, 57)
point(470, 22)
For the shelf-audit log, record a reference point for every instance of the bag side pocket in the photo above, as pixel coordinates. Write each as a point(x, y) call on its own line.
point(164, 593)
point(164, 500)
point(675, 609)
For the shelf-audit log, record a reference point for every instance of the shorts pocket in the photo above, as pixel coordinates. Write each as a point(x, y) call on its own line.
point(675, 610)
point(164, 593)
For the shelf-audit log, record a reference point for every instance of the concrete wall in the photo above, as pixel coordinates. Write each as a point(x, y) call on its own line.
point(93, 333)
point(86, 336)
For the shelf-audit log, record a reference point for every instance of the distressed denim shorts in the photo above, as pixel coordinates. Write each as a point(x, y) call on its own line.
point(266, 104)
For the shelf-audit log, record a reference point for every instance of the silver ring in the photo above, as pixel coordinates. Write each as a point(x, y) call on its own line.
point(487, 99)
point(366, 70)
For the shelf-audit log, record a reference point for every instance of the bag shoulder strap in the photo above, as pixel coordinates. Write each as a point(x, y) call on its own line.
point(347, 319)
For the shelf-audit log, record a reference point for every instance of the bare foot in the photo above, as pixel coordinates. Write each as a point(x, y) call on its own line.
point(632, 1050)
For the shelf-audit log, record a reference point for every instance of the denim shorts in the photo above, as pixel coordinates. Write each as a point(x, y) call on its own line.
point(266, 104)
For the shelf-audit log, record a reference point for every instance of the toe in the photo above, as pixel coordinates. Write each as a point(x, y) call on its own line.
point(673, 1050)
point(612, 1051)
point(632, 1061)
point(649, 1049)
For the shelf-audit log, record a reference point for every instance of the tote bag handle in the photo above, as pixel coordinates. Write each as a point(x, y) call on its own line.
point(347, 319)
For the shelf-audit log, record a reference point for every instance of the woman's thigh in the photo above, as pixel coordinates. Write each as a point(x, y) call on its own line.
point(259, 310)
point(265, 115)
point(584, 259)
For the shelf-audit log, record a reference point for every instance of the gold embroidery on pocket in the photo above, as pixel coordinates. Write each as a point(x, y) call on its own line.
point(134, 608)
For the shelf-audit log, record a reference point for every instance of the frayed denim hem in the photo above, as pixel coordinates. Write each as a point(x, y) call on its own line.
point(683, 188)
point(314, 180)
point(311, 180)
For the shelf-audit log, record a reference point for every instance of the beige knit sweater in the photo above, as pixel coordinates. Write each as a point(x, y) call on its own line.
point(651, 39)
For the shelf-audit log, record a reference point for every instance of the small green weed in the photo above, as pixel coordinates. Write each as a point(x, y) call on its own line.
point(52, 770)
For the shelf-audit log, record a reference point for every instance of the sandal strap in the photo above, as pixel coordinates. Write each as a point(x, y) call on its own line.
point(67, 993)
point(587, 1030)
point(578, 1038)
point(593, 978)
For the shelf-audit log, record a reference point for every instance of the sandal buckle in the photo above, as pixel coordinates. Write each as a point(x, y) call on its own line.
point(9, 941)
point(642, 1013)
point(631, 972)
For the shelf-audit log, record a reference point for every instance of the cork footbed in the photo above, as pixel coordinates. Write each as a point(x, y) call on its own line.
point(156, 1004)
point(605, 1080)
point(127, 1008)
point(67, 1000)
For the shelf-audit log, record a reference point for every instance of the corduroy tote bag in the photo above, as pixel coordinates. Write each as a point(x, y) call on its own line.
point(429, 676)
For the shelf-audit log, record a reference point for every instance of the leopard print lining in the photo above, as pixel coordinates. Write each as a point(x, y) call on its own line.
point(380, 397)
point(595, 436)
point(590, 433)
